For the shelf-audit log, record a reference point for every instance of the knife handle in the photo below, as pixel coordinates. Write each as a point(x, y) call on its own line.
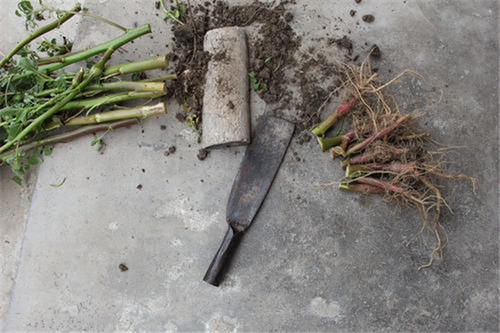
point(221, 257)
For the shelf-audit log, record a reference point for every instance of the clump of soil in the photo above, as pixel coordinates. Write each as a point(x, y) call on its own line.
point(270, 54)
point(274, 61)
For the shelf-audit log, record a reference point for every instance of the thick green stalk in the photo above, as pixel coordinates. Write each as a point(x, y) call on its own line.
point(40, 32)
point(339, 112)
point(110, 99)
point(118, 85)
point(327, 143)
point(139, 112)
point(131, 34)
point(128, 85)
point(94, 72)
point(68, 136)
point(138, 66)
point(161, 78)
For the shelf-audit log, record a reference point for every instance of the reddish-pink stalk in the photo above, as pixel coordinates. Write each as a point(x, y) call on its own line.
point(347, 138)
point(376, 136)
point(361, 188)
point(409, 167)
point(340, 111)
point(388, 187)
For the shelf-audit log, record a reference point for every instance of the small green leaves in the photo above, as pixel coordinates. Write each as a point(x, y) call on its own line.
point(59, 184)
point(18, 180)
point(34, 160)
point(175, 12)
point(256, 84)
point(47, 150)
point(97, 141)
point(268, 60)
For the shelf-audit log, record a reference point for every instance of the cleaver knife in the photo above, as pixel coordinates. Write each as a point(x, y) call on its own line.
point(258, 168)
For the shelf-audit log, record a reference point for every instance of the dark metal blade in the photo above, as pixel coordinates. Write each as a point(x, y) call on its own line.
point(260, 164)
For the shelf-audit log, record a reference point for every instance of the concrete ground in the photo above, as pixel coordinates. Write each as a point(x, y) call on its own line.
point(315, 259)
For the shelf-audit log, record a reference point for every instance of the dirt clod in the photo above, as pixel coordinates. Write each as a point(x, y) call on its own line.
point(368, 18)
point(139, 187)
point(202, 154)
point(375, 51)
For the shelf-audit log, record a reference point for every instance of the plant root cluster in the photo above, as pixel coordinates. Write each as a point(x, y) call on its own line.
point(386, 152)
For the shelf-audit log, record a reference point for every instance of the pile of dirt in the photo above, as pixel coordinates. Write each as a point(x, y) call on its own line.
point(274, 60)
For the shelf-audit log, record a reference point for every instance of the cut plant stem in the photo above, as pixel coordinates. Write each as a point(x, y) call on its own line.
point(354, 170)
point(376, 136)
point(161, 78)
point(386, 186)
point(360, 188)
point(68, 136)
point(94, 72)
point(371, 156)
point(139, 112)
point(347, 138)
point(39, 32)
point(118, 85)
point(131, 34)
point(128, 85)
point(110, 99)
point(327, 143)
point(340, 111)
point(138, 66)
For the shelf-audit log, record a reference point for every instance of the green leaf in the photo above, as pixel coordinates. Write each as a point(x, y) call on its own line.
point(34, 160)
point(60, 184)
point(268, 59)
point(25, 7)
point(47, 150)
point(17, 13)
point(18, 180)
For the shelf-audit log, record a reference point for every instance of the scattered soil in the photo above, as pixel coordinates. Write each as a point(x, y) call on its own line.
point(375, 51)
point(202, 154)
point(270, 54)
point(368, 18)
point(296, 83)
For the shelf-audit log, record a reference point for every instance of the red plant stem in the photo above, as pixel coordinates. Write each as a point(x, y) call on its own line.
point(371, 156)
point(387, 187)
point(340, 111)
point(409, 167)
point(376, 136)
point(361, 188)
point(347, 138)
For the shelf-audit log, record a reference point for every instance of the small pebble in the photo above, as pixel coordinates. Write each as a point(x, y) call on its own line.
point(352, 12)
point(171, 149)
point(123, 267)
point(139, 187)
point(163, 127)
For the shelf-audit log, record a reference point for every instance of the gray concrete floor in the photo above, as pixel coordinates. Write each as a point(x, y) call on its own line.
point(315, 259)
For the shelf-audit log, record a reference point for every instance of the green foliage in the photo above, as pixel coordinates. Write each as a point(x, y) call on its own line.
point(177, 10)
point(31, 15)
point(257, 85)
point(53, 49)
